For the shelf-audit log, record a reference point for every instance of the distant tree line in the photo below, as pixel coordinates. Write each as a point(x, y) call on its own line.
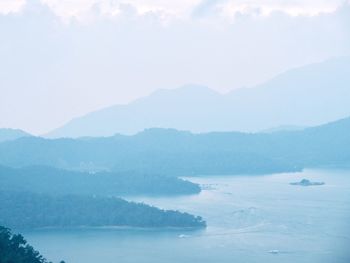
point(30, 210)
point(57, 181)
point(176, 153)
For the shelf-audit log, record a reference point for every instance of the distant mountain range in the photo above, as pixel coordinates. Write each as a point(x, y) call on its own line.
point(179, 153)
point(301, 97)
point(12, 134)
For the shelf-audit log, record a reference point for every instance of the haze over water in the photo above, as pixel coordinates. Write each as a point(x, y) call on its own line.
point(184, 131)
point(250, 219)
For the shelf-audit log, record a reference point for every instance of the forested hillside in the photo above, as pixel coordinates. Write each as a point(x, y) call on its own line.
point(171, 152)
point(57, 181)
point(29, 210)
point(15, 249)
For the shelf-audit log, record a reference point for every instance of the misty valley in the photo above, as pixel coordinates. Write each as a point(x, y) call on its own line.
point(193, 131)
point(155, 184)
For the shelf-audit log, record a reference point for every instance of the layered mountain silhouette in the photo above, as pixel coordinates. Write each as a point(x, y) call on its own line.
point(12, 134)
point(306, 96)
point(178, 153)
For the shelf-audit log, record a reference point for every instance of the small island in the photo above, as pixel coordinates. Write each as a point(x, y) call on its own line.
point(306, 182)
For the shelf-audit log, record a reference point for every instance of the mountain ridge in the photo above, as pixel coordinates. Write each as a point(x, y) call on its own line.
point(8, 134)
point(178, 153)
point(293, 98)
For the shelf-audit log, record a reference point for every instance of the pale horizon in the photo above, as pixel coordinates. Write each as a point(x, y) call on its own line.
point(192, 131)
point(82, 56)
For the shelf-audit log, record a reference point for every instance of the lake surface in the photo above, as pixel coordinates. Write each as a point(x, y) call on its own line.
point(250, 219)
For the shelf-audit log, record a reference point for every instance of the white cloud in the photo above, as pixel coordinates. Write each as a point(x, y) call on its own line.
point(294, 8)
point(11, 6)
point(81, 9)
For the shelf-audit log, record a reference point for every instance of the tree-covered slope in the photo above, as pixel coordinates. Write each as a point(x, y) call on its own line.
point(29, 210)
point(15, 249)
point(174, 152)
point(157, 151)
point(57, 181)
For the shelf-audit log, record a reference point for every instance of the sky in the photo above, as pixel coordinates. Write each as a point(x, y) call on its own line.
point(61, 59)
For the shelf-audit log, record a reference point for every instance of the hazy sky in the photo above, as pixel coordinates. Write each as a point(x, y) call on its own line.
point(60, 59)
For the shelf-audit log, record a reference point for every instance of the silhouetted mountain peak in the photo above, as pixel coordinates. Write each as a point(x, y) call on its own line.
point(294, 98)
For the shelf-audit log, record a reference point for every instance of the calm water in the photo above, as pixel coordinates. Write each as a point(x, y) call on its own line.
point(248, 219)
